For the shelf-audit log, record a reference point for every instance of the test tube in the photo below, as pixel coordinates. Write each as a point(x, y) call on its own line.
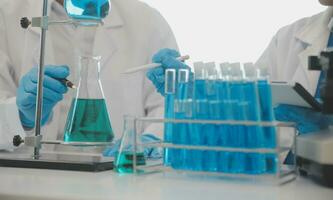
point(267, 114)
point(199, 111)
point(225, 114)
point(181, 131)
point(239, 105)
point(256, 161)
point(170, 90)
point(211, 131)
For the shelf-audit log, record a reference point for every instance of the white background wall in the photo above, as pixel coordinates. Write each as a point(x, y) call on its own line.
point(230, 30)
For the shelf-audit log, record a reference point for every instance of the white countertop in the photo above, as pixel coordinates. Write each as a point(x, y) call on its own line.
point(49, 184)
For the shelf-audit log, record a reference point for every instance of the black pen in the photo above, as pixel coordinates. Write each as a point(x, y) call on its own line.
point(67, 83)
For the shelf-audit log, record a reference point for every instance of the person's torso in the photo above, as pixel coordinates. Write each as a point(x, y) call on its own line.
point(294, 44)
point(120, 47)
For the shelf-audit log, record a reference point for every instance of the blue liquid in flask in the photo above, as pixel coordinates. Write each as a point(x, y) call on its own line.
point(125, 161)
point(88, 121)
point(95, 10)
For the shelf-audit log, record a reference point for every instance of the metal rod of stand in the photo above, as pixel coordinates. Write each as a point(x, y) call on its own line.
point(39, 100)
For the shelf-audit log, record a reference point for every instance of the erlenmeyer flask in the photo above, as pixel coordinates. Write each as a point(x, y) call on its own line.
point(130, 149)
point(88, 119)
point(93, 10)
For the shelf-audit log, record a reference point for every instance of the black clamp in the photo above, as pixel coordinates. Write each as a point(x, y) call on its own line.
point(25, 22)
point(17, 140)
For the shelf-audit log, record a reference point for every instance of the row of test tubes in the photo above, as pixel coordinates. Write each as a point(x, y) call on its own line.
point(229, 92)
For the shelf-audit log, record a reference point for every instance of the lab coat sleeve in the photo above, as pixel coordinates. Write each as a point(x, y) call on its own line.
point(9, 118)
point(269, 58)
point(153, 101)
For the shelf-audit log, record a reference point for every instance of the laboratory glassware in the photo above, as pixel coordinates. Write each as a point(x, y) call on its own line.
point(200, 109)
point(87, 10)
point(170, 90)
point(239, 106)
point(255, 139)
point(130, 151)
point(213, 125)
point(267, 114)
point(212, 131)
point(53, 162)
point(88, 118)
point(182, 110)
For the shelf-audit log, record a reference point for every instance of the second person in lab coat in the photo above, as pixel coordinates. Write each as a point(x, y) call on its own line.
point(131, 34)
point(287, 59)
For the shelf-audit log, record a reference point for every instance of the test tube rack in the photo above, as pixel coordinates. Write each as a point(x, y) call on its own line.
point(282, 174)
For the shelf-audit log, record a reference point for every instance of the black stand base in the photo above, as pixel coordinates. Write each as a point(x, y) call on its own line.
point(322, 174)
point(59, 162)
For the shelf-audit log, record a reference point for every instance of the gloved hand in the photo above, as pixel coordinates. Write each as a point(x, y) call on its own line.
point(52, 93)
point(152, 153)
point(307, 120)
point(167, 57)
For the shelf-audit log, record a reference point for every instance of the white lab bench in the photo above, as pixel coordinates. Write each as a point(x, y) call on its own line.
point(49, 184)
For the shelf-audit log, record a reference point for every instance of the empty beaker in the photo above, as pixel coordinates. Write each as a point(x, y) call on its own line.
point(92, 10)
point(88, 119)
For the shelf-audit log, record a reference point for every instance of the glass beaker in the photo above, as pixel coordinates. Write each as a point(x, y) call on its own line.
point(92, 10)
point(130, 152)
point(88, 119)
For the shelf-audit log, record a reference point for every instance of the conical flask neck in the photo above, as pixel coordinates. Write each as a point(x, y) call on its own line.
point(90, 86)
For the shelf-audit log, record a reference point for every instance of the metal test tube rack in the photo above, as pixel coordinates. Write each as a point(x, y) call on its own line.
point(280, 177)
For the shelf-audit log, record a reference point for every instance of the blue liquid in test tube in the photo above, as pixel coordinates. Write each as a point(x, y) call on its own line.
point(267, 114)
point(239, 104)
point(200, 109)
point(226, 113)
point(170, 89)
point(256, 163)
point(211, 131)
point(181, 130)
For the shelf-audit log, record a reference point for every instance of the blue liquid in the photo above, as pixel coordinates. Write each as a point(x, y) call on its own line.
point(267, 113)
point(168, 128)
point(197, 136)
point(87, 9)
point(179, 137)
point(255, 161)
point(212, 131)
point(225, 131)
point(181, 131)
point(88, 121)
point(238, 113)
point(272, 163)
point(237, 138)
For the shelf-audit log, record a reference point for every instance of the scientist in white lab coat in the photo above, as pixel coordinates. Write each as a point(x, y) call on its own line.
point(131, 34)
point(287, 60)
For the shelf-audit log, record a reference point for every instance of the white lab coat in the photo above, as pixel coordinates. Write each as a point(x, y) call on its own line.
point(287, 54)
point(131, 34)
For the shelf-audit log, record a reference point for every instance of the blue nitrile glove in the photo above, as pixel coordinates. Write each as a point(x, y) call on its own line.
point(307, 120)
point(167, 57)
point(152, 153)
point(52, 93)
